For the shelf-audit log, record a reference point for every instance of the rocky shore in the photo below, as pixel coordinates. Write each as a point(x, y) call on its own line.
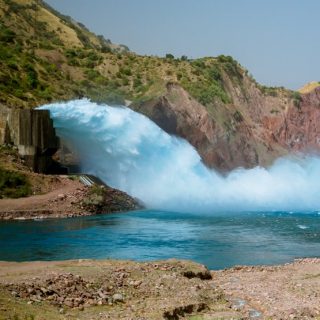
point(289, 291)
point(171, 289)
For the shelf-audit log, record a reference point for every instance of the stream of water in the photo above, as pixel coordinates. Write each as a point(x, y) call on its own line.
point(219, 241)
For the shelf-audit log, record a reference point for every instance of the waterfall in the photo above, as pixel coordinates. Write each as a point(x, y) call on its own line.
point(129, 152)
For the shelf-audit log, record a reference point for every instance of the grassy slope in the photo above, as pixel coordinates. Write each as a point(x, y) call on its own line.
point(46, 56)
point(309, 87)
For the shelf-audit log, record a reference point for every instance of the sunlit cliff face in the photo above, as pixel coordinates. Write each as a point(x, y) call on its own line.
point(131, 153)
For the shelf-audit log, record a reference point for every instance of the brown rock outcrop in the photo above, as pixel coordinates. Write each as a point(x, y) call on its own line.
point(299, 129)
point(254, 129)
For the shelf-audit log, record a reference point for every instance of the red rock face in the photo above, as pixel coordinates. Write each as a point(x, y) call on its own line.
point(301, 130)
point(254, 130)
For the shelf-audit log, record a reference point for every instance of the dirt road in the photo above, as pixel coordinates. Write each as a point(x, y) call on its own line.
point(60, 201)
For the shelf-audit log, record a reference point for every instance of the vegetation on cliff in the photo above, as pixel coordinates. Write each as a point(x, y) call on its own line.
point(13, 184)
point(46, 56)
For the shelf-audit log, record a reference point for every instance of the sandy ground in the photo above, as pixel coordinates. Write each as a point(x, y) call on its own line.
point(172, 289)
point(60, 201)
point(291, 291)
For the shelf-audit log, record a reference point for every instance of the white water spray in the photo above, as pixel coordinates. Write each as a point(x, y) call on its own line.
point(129, 152)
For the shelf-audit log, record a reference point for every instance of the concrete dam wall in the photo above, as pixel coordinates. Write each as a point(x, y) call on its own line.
point(33, 133)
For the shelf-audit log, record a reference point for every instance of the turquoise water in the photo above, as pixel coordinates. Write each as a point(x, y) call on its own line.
point(218, 241)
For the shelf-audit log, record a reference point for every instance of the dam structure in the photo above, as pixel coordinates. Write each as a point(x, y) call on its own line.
point(33, 133)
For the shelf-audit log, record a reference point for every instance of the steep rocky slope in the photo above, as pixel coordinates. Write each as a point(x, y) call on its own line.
point(252, 130)
point(212, 102)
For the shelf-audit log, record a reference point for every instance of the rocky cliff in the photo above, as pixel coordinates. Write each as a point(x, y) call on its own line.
point(252, 130)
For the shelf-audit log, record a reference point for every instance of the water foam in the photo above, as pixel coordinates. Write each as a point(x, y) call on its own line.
point(131, 153)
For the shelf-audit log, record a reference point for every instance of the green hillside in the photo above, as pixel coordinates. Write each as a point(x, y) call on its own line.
point(46, 56)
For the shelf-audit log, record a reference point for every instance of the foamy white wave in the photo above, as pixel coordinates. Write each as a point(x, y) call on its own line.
point(129, 152)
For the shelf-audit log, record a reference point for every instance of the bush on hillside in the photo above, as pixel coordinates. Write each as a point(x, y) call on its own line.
point(6, 35)
point(230, 65)
point(169, 56)
point(13, 184)
point(297, 99)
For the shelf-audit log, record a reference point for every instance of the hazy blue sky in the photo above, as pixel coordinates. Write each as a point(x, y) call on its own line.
point(278, 41)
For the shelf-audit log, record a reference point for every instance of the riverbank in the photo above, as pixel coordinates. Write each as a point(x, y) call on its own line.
point(171, 289)
point(68, 197)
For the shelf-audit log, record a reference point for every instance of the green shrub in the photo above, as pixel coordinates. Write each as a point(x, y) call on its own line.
point(32, 76)
point(73, 62)
point(50, 67)
point(137, 83)
point(92, 74)
point(125, 82)
point(296, 99)
point(209, 82)
point(215, 73)
point(44, 93)
point(14, 7)
point(105, 49)
point(230, 65)
point(206, 93)
point(6, 35)
point(71, 53)
point(13, 184)
point(199, 64)
point(125, 71)
point(12, 64)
